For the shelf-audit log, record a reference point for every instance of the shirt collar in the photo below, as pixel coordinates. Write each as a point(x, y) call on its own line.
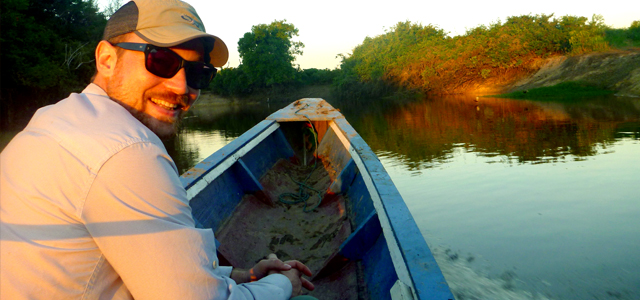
point(93, 88)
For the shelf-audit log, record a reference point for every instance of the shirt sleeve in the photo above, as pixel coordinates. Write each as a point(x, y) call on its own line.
point(139, 216)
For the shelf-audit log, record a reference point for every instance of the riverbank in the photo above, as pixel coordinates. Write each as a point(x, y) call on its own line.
point(617, 70)
point(565, 91)
point(286, 96)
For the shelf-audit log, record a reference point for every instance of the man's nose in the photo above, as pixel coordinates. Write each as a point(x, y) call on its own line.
point(178, 83)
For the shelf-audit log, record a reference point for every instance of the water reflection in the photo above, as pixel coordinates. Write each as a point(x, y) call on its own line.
point(207, 128)
point(424, 134)
point(520, 200)
point(543, 194)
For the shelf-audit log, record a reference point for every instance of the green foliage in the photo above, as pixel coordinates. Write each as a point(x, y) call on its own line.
point(349, 86)
point(376, 56)
point(634, 30)
point(425, 58)
point(623, 38)
point(316, 76)
point(231, 82)
point(48, 47)
point(268, 53)
point(587, 37)
point(111, 7)
point(566, 91)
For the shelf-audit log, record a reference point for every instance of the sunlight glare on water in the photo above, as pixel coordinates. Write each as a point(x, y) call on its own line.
point(205, 142)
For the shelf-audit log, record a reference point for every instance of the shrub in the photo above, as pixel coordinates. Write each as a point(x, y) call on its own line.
point(417, 57)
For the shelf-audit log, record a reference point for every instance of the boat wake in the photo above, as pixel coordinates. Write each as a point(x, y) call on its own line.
point(468, 284)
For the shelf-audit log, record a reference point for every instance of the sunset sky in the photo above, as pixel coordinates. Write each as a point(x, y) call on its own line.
point(330, 27)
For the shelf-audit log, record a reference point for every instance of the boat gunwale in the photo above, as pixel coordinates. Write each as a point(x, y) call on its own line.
point(211, 167)
point(413, 261)
point(406, 236)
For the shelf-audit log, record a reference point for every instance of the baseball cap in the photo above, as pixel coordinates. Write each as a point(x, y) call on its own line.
point(165, 23)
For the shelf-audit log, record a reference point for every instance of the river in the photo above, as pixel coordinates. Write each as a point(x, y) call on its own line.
point(517, 199)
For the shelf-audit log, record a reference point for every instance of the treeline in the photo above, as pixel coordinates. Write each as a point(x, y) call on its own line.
point(415, 57)
point(268, 55)
point(235, 82)
point(48, 46)
point(425, 58)
point(47, 52)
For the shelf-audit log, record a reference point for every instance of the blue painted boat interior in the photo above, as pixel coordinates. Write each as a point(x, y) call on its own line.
point(366, 244)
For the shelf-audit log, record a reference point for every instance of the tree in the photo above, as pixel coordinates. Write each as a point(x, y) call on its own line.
point(111, 7)
point(47, 52)
point(268, 53)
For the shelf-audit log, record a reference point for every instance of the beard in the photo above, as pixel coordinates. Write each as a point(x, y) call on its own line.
point(131, 97)
point(165, 128)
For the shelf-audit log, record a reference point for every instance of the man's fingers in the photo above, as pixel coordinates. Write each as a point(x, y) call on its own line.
point(307, 284)
point(271, 265)
point(276, 263)
point(299, 266)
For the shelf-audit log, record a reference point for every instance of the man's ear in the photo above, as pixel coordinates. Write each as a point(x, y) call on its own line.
point(106, 58)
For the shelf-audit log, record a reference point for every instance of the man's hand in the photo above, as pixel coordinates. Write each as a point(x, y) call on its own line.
point(263, 268)
point(295, 275)
point(293, 269)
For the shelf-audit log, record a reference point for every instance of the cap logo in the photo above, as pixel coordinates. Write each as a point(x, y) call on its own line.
point(193, 22)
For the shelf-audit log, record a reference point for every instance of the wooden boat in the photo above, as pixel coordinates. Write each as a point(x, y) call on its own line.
point(304, 185)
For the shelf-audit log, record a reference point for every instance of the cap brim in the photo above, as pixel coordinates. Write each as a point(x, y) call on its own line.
point(219, 55)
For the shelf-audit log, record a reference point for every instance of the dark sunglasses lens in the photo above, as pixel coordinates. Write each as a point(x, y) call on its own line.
point(166, 63)
point(163, 63)
point(199, 74)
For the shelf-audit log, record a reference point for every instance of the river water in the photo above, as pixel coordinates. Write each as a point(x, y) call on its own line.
point(517, 199)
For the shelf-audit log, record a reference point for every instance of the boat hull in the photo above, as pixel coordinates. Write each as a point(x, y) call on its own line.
point(372, 242)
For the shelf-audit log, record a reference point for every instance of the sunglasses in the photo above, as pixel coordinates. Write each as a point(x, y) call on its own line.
point(165, 63)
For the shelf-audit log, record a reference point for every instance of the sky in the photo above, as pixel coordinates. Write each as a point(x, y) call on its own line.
point(331, 27)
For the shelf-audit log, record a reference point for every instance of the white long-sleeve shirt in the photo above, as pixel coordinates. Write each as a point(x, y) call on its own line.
point(91, 207)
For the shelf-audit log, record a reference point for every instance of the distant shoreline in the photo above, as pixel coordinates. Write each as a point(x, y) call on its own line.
point(311, 91)
point(617, 70)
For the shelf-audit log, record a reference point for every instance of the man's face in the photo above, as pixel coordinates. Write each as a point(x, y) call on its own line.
point(159, 103)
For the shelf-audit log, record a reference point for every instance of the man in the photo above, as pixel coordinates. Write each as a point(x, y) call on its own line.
point(91, 204)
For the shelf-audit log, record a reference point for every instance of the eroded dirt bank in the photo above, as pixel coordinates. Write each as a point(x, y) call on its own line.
point(616, 70)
